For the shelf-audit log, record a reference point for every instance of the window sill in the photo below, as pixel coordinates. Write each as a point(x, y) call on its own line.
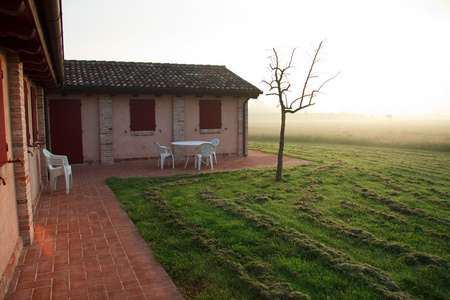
point(210, 130)
point(142, 133)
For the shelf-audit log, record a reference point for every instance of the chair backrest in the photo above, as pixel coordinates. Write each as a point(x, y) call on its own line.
point(206, 149)
point(55, 160)
point(215, 142)
point(158, 148)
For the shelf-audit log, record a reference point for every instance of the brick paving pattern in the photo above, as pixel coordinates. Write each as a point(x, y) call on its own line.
point(86, 247)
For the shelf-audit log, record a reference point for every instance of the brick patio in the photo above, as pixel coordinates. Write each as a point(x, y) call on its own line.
point(86, 247)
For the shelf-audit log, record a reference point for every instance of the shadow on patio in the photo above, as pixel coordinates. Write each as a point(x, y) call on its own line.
point(86, 247)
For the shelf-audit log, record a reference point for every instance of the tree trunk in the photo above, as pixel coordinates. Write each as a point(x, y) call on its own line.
point(280, 86)
point(281, 146)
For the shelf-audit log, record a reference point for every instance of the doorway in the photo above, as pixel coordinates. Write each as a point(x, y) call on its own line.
point(66, 130)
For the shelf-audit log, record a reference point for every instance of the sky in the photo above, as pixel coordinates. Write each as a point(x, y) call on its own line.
point(393, 55)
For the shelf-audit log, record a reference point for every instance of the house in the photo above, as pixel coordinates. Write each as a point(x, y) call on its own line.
point(31, 61)
point(93, 111)
point(114, 111)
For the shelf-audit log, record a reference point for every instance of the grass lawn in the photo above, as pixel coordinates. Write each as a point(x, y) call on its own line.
point(356, 223)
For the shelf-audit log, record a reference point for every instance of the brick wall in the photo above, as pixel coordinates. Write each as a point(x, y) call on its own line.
point(41, 129)
point(106, 130)
point(178, 124)
point(6, 277)
point(20, 148)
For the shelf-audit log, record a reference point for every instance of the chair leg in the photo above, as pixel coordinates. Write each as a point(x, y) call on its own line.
point(52, 182)
point(211, 160)
point(162, 162)
point(215, 157)
point(173, 162)
point(67, 178)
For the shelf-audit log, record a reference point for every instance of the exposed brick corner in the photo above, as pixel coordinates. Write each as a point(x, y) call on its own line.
point(7, 275)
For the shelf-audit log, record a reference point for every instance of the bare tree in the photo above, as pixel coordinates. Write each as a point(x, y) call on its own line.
point(279, 85)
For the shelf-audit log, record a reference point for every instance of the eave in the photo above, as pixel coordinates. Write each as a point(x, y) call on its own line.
point(33, 29)
point(156, 91)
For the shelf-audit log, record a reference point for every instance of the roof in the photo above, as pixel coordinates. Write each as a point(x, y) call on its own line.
point(33, 29)
point(155, 78)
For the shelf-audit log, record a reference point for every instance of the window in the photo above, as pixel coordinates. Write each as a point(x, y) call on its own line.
point(142, 117)
point(3, 145)
point(210, 115)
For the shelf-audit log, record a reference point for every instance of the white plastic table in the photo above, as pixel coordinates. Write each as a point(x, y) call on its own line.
point(188, 143)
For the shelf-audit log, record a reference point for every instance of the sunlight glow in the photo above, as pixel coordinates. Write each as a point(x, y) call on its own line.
point(393, 54)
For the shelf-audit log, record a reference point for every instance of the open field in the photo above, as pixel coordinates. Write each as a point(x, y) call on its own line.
point(424, 133)
point(355, 223)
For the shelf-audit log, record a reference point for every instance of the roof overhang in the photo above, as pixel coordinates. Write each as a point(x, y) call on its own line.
point(34, 30)
point(153, 91)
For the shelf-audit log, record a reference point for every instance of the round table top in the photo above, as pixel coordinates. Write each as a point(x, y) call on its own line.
point(189, 143)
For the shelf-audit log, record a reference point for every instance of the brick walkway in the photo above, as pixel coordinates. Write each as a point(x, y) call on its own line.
point(85, 245)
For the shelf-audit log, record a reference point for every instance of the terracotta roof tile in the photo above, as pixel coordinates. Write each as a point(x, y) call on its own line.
point(155, 78)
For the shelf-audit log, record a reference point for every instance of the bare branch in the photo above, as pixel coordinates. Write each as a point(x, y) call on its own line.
point(279, 85)
point(329, 79)
point(296, 110)
point(310, 71)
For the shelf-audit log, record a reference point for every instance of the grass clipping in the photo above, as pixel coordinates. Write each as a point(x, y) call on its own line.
point(258, 276)
point(374, 277)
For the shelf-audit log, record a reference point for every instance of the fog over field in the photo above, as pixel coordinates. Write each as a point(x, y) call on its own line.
point(426, 132)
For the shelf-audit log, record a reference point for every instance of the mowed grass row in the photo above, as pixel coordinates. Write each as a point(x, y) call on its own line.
point(355, 223)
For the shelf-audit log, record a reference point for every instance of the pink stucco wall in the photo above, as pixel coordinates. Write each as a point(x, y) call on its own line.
point(9, 226)
point(35, 174)
point(126, 146)
point(228, 136)
point(33, 153)
point(90, 126)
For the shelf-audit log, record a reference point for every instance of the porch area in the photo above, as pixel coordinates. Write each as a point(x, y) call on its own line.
point(86, 247)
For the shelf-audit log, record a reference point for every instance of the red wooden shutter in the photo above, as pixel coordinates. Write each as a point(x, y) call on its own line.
point(34, 115)
point(142, 115)
point(210, 114)
point(3, 146)
point(66, 129)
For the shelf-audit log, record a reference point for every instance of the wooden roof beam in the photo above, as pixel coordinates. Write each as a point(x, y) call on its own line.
point(40, 30)
point(16, 44)
point(33, 59)
point(33, 67)
point(11, 27)
point(12, 7)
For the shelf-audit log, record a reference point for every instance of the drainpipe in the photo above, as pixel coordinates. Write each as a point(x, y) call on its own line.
point(243, 125)
point(53, 19)
point(46, 124)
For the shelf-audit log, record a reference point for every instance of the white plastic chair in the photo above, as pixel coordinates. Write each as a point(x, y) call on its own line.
point(215, 142)
point(204, 150)
point(58, 165)
point(164, 152)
